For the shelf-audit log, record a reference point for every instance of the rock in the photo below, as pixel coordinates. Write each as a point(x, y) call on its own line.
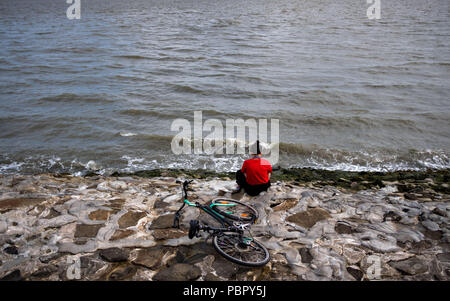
point(436, 210)
point(52, 214)
point(445, 257)
point(49, 257)
point(44, 271)
point(308, 218)
point(130, 219)
point(99, 215)
point(355, 272)
point(411, 266)
point(434, 235)
point(342, 227)
point(162, 234)
point(410, 196)
point(3, 227)
point(178, 272)
point(306, 255)
point(286, 205)
point(123, 273)
point(116, 204)
point(392, 216)
point(58, 221)
point(432, 226)
point(160, 204)
point(379, 243)
point(162, 222)
point(119, 234)
point(20, 202)
point(353, 254)
point(90, 231)
point(114, 255)
point(13, 276)
point(118, 185)
point(151, 257)
point(11, 250)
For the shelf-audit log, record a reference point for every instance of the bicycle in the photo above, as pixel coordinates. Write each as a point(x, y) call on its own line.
point(229, 240)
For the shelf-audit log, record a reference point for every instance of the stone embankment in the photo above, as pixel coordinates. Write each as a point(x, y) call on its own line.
point(120, 228)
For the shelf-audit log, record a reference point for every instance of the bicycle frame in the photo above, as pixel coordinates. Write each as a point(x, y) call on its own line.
point(227, 225)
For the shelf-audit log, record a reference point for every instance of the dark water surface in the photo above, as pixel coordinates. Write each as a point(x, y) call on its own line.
point(101, 92)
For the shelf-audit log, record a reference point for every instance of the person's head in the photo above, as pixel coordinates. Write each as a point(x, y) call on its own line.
point(256, 152)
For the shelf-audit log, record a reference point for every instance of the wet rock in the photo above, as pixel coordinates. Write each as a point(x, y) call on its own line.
point(120, 234)
point(90, 231)
point(162, 222)
point(99, 215)
point(178, 272)
point(411, 266)
point(308, 218)
point(114, 255)
point(130, 219)
point(13, 276)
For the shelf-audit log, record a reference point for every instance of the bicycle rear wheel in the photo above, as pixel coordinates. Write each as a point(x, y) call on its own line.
point(234, 210)
point(243, 251)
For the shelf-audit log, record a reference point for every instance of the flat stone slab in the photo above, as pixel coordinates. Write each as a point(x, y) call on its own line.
point(162, 222)
point(178, 272)
point(99, 215)
point(130, 219)
point(83, 230)
point(162, 234)
point(119, 234)
point(114, 255)
point(411, 266)
point(20, 202)
point(308, 218)
point(150, 257)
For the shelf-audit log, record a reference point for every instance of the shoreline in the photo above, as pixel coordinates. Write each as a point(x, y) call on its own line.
point(354, 180)
point(317, 225)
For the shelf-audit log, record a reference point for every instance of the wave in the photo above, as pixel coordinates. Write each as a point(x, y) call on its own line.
point(290, 156)
point(70, 97)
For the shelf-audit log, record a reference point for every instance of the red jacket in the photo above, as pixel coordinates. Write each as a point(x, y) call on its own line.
point(257, 171)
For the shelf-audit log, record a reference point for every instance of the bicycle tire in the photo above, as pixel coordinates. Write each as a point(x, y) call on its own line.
point(219, 243)
point(242, 212)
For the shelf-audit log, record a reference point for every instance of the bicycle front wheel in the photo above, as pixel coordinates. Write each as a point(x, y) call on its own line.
point(241, 250)
point(234, 210)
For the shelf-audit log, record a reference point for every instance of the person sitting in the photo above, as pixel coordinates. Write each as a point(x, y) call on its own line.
point(254, 176)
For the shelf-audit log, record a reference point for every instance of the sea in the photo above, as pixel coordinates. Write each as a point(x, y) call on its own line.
point(101, 93)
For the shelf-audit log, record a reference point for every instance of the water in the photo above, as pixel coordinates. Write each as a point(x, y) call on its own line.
point(101, 92)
